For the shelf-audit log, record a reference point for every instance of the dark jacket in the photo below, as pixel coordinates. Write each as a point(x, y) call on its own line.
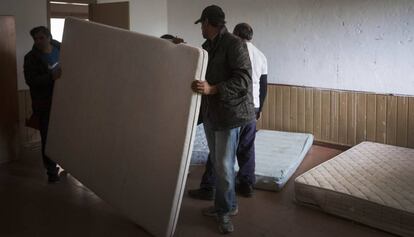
point(38, 77)
point(228, 68)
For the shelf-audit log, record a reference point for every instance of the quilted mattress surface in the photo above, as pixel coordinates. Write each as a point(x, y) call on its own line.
point(370, 183)
point(200, 148)
point(123, 119)
point(278, 155)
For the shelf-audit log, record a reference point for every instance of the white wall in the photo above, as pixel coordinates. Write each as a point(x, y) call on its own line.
point(28, 14)
point(146, 16)
point(363, 45)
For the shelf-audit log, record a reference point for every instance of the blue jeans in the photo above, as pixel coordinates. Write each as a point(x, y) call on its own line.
point(245, 158)
point(246, 154)
point(223, 147)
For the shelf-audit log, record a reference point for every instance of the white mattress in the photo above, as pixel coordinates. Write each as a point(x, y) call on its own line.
point(200, 148)
point(123, 119)
point(278, 155)
point(371, 183)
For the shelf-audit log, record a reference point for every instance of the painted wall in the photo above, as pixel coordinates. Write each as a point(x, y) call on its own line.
point(146, 16)
point(364, 45)
point(28, 14)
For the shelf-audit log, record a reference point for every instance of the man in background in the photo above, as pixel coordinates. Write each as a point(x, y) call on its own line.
point(246, 151)
point(41, 69)
point(173, 39)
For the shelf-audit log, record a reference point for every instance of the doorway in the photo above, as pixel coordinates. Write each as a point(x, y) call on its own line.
point(8, 90)
point(113, 14)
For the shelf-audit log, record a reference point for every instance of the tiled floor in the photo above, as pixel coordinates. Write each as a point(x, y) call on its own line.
point(31, 207)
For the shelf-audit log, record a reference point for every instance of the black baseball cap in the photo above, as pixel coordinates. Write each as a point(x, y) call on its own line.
point(213, 13)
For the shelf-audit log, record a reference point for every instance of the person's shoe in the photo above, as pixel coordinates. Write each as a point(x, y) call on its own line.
point(245, 190)
point(225, 224)
point(211, 211)
point(202, 194)
point(53, 179)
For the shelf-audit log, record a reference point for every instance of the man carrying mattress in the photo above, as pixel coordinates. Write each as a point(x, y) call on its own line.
point(227, 105)
point(41, 70)
point(245, 152)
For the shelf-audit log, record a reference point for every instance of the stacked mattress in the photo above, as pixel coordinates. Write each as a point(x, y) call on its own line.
point(371, 183)
point(123, 119)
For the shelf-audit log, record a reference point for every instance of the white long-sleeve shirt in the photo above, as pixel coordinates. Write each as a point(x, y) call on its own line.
point(259, 68)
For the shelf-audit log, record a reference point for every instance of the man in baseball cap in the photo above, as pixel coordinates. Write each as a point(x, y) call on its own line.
point(214, 14)
point(226, 106)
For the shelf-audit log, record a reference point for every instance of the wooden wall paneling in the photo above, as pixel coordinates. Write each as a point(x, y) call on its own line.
point(20, 100)
point(32, 134)
point(339, 117)
point(381, 123)
point(272, 108)
point(259, 123)
point(325, 115)
point(361, 117)
point(265, 110)
point(343, 116)
point(27, 114)
point(371, 107)
point(317, 108)
point(392, 111)
point(309, 110)
point(279, 108)
point(22, 115)
point(293, 109)
point(286, 108)
point(276, 112)
point(351, 120)
point(28, 104)
point(410, 130)
point(334, 116)
point(301, 110)
point(8, 90)
point(402, 121)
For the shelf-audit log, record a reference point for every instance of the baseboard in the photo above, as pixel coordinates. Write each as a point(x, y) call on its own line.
point(333, 146)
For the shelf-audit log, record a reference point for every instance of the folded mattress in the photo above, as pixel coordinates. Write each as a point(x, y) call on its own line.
point(278, 155)
point(123, 119)
point(370, 183)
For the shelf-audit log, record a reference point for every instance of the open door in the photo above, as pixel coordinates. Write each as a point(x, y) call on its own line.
point(113, 14)
point(8, 90)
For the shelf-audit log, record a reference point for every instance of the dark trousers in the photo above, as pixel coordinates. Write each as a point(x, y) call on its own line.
point(245, 159)
point(49, 164)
